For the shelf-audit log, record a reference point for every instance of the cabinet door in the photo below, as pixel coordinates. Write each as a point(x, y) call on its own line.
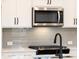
point(69, 13)
point(75, 13)
point(24, 13)
point(8, 13)
point(9, 56)
point(39, 2)
point(4, 56)
point(25, 56)
point(57, 3)
point(48, 3)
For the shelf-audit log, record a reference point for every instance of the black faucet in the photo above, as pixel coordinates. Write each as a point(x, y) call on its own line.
point(60, 53)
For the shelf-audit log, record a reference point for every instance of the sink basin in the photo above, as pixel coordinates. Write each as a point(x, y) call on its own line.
point(53, 49)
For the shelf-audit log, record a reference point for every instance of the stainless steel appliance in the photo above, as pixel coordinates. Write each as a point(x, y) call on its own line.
point(48, 16)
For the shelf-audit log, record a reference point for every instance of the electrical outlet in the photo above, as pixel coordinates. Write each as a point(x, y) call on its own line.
point(9, 43)
point(70, 42)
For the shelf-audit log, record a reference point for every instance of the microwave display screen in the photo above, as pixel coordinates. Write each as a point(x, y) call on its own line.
point(46, 16)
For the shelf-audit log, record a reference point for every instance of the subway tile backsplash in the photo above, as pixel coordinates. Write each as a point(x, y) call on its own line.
point(22, 37)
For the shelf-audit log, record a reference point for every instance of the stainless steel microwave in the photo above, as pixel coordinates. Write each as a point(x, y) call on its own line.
point(47, 16)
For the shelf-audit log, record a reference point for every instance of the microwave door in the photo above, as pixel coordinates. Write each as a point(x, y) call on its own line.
point(46, 16)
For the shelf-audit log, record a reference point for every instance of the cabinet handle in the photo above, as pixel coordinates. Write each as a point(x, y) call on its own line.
point(74, 21)
point(50, 2)
point(47, 1)
point(14, 20)
point(17, 20)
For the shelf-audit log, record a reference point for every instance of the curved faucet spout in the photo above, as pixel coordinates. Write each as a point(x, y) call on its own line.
point(55, 39)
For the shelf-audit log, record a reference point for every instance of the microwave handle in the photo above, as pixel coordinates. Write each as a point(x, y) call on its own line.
point(58, 16)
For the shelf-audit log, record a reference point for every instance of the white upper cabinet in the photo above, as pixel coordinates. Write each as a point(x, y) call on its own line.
point(24, 13)
point(70, 19)
point(39, 3)
point(58, 3)
point(16, 14)
point(47, 2)
point(8, 13)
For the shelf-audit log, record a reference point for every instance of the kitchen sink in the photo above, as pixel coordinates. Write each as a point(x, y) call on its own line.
point(47, 47)
point(52, 49)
